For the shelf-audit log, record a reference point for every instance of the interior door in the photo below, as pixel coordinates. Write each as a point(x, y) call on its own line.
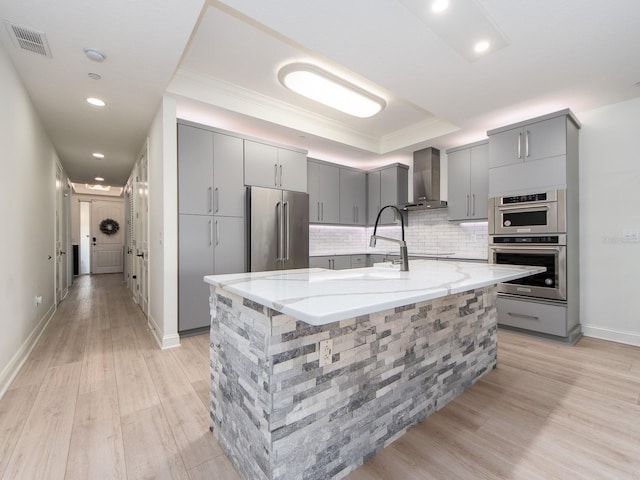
point(142, 235)
point(59, 252)
point(107, 248)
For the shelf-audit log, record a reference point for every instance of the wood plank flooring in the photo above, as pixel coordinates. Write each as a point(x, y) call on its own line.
point(98, 399)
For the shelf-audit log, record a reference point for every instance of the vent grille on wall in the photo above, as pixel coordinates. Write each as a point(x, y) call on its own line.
point(26, 38)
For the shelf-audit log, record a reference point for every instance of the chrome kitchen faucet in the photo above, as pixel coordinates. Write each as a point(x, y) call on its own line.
point(404, 257)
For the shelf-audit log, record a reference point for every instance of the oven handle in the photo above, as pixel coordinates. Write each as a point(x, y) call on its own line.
point(525, 249)
point(524, 208)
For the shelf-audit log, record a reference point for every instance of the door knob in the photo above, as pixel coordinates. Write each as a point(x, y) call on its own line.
point(140, 255)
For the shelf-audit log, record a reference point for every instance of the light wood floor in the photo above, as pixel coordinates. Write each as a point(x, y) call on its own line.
point(97, 399)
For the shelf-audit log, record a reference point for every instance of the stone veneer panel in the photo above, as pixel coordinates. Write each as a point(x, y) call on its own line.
point(279, 415)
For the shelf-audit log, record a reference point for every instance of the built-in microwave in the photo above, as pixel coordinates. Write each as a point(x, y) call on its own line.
point(543, 212)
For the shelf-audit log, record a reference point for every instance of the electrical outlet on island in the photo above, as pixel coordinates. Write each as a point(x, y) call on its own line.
point(326, 352)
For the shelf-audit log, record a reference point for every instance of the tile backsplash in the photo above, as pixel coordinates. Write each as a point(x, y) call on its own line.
point(428, 232)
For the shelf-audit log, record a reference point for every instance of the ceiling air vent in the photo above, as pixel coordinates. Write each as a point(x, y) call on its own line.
point(28, 39)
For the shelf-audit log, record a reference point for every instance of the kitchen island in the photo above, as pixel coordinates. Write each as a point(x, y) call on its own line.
point(313, 371)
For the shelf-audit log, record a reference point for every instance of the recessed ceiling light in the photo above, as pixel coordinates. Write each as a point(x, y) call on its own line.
point(328, 89)
point(439, 6)
point(96, 102)
point(481, 46)
point(98, 155)
point(99, 179)
point(94, 76)
point(95, 55)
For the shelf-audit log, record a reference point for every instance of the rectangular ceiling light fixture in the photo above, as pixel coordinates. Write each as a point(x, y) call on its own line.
point(321, 86)
point(462, 24)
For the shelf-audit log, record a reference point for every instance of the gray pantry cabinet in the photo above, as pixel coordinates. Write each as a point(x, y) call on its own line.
point(211, 217)
point(386, 186)
point(353, 197)
point(468, 181)
point(531, 156)
point(323, 182)
point(274, 167)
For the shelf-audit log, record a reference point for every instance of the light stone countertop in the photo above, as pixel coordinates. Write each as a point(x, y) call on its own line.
point(319, 296)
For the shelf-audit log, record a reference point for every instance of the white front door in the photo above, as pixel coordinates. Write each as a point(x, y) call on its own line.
point(107, 236)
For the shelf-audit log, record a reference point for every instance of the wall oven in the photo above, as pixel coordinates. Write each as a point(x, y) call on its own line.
point(543, 212)
point(549, 251)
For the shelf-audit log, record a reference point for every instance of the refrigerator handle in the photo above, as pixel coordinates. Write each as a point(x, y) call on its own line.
point(287, 232)
point(278, 231)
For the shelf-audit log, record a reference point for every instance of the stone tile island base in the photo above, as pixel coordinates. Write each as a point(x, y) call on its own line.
point(279, 415)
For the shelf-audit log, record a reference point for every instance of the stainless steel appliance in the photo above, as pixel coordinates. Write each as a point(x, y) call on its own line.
point(277, 229)
point(543, 212)
point(549, 251)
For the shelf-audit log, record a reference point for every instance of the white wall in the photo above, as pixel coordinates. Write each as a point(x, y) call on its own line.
point(163, 225)
point(27, 210)
point(610, 206)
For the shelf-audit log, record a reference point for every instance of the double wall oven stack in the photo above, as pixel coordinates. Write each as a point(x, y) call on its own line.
point(531, 229)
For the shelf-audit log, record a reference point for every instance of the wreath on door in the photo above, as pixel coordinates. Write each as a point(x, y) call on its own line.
point(108, 226)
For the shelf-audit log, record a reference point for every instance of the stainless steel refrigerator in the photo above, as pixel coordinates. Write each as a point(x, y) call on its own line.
point(277, 229)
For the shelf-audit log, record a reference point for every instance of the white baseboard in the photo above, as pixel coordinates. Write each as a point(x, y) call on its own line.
point(628, 338)
point(164, 341)
point(15, 364)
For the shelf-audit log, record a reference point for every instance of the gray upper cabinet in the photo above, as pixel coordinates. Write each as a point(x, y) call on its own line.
point(468, 181)
point(228, 176)
point(274, 167)
point(531, 156)
point(353, 197)
point(535, 141)
point(195, 170)
point(386, 186)
point(324, 192)
point(293, 170)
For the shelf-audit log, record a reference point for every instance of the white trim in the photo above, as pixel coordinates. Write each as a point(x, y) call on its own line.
point(628, 338)
point(164, 341)
point(13, 367)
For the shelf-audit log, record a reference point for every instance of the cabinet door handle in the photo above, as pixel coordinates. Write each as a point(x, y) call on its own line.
point(318, 211)
point(357, 214)
point(473, 205)
point(210, 233)
point(526, 144)
point(275, 174)
point(209, 199)
point(520, 145)
point(216, 200)
point(281, 175)
point(322, 211)
point(467, 205)
point(522, 315)
point(217, 232)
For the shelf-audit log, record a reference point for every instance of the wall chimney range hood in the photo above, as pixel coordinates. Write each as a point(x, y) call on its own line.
point(426, 181)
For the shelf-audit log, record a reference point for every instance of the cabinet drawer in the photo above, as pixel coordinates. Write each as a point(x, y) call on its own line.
point(532, 315)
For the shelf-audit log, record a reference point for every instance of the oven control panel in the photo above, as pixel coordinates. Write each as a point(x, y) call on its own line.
point(537, 239)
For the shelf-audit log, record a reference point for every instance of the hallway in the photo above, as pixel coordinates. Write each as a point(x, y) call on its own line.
point(97, 398)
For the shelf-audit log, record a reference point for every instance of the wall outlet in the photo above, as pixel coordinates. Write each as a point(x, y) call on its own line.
point(38, 300)
point(326, 352)
point(631, 236)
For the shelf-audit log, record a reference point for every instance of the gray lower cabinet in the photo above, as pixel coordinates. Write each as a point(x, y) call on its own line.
point(323, 182)
point(353, 197)
point(532, 315)
point(195, 260)
point(332, 262)
point(274, 167)
point(206, 245)
point(468, 181)
point(386, 186)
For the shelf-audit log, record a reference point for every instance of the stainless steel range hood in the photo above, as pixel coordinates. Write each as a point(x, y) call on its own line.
point(426, 181)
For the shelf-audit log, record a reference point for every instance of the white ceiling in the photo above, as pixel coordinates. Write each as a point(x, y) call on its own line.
point(220, 61)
